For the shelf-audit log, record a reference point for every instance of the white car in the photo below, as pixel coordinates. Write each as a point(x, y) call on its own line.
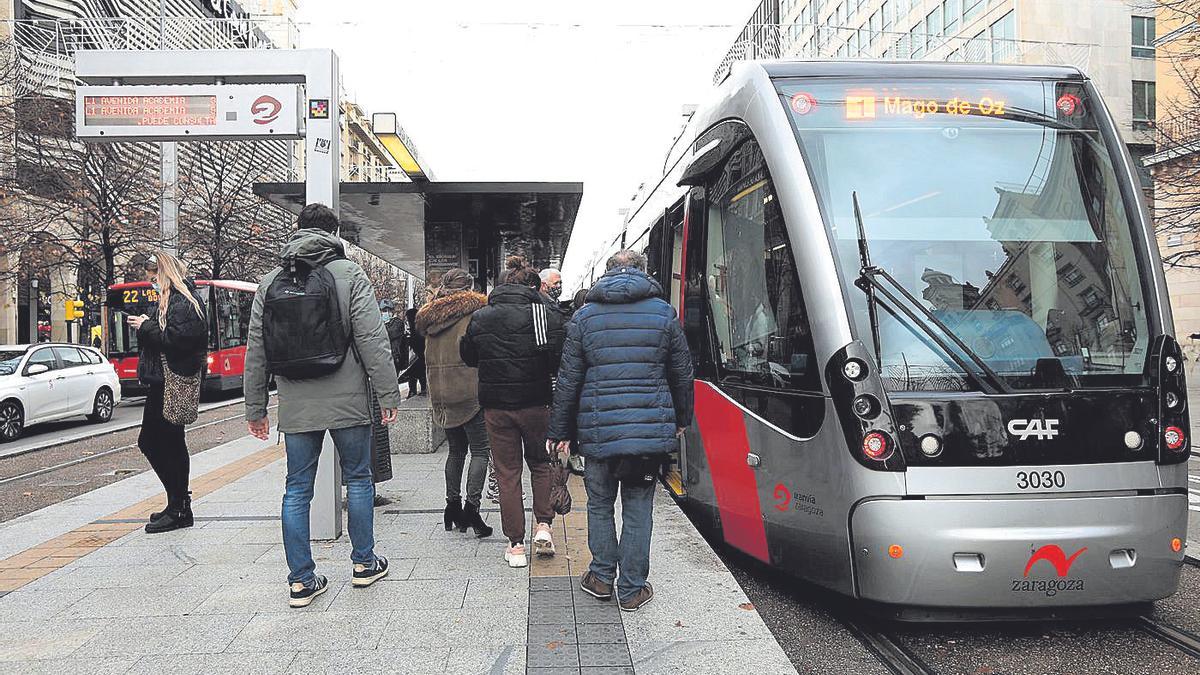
point(45, 382)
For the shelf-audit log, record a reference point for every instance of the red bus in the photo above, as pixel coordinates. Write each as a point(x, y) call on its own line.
point(228, 305)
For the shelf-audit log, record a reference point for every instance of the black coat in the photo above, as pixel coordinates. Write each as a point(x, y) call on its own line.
point(625, 384)
point(184, 341)
point(514, 373)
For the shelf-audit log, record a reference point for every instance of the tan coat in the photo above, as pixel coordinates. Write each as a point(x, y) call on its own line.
point(453, 386)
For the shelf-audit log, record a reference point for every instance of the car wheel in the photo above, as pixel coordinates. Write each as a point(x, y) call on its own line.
point(102, 406)
point(12, 421)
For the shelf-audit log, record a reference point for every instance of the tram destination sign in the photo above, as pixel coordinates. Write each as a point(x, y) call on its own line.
point(188, 112)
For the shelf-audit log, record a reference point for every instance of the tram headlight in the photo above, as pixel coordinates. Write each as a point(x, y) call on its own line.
point(876, 445)
point(1133, 440)
point(1172, 399)
point(1174, 438)
point(931, 446)
point(866, 406)
point(854, 370)
point(1171, 364)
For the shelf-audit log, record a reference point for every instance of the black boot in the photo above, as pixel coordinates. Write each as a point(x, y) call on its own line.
point(453, 515)
point(155, 515)
point(173, 518)
point(471, 514)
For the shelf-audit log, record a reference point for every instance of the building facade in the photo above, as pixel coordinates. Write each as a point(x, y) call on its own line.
point(1099, 36)
point(1176, 166)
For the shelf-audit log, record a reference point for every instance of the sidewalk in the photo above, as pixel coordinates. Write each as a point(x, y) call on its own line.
point(99, 595)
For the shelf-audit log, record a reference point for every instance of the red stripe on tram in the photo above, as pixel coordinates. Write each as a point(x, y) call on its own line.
point(723, 430)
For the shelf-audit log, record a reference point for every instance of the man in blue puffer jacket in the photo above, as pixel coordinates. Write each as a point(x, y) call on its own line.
point(625, 395)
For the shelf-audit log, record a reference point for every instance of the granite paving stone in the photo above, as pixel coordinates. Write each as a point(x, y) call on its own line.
point(56, 638)
point(146, 636)
point(552, 615)
point(456, 568)
point(267, 663)
point(124, 576)
point(498, 660)
point(117, 665)
point(607, 670)
point(710, 657)
point(673, 614)
point(496, 592)
point(440, 627)
point(597, 613)
point(424, 661)
point(315, 631)
point(106, 603)
point(551, 583)
point(259, 598)
point(28, 604)
point(413, 594)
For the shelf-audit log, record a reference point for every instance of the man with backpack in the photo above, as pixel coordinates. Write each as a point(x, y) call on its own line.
point(316, 327)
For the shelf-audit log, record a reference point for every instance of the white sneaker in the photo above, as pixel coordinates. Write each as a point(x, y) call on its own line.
point(515, 556)
point(543, 543)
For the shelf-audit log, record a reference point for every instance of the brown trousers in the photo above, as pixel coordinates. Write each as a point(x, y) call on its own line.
point(509, 430)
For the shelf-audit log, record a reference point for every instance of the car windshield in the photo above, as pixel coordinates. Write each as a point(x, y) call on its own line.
point(995, 204)
point(9, 360)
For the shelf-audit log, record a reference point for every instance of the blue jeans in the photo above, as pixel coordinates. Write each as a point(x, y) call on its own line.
point(632, 552)
point(354, 453)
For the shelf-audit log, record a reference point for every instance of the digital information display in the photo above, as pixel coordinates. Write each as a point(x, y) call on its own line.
point(188, 111)
point(142, 111)
point(871, 106)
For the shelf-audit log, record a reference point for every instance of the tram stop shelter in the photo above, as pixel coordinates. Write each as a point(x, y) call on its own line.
point(427, 227)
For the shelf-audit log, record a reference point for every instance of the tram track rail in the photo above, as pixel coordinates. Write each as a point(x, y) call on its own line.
point(105, 453)
point(891, 653)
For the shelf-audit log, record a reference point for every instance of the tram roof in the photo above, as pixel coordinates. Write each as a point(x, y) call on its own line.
point(917, 70)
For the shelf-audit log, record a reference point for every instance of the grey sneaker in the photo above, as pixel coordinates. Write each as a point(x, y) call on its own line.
point(302, 596)
point(638, 600)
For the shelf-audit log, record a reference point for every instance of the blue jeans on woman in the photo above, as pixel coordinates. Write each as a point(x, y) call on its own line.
point(632, 553)
point(354, 453)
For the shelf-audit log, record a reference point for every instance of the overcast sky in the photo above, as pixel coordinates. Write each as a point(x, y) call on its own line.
point(536, 90)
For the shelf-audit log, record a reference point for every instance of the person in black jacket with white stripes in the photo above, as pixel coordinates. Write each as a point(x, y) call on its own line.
point(516, 343)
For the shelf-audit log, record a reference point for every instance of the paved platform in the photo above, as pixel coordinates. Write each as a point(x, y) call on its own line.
point(93, 593)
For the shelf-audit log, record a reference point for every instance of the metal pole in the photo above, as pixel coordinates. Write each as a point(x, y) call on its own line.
point(169, 167)
point(33, 311)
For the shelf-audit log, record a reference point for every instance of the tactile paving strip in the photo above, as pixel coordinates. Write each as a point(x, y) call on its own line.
point(572, 632)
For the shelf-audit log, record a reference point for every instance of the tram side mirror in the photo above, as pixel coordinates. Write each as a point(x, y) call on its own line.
point(36, 369)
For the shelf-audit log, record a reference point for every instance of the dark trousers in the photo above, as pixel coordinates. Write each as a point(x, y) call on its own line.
point(472, 435)
point(517, 433)
point(416, 374)
point(164, 446)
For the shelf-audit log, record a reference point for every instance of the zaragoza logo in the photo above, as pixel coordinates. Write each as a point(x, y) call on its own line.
point(1053, 554)
point(265, 109)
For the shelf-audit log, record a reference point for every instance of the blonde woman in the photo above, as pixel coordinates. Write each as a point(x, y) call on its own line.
point(178, 335)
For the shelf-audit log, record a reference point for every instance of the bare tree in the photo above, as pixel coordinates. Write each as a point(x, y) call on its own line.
point(387, 279)
point(1177, 173)
point(227, 231)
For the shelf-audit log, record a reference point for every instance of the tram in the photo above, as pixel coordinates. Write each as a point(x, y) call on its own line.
point(228, 303)
point(935, 367)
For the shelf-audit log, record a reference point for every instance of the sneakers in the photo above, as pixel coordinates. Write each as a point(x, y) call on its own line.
point(638, 600)
point(543, 543)
point(591, 584)
point(515, 556)
point(365, 575)
point(302, 596)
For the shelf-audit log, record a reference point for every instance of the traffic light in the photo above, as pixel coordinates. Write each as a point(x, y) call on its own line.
point(74, 310)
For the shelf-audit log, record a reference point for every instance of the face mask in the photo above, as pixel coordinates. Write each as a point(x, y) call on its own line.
point(555, 292)
point(156, 287)
point(387, 316)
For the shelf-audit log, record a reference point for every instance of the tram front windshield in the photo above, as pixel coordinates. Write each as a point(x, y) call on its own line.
point(997, 205)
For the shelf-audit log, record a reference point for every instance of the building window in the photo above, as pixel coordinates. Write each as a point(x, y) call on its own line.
point(887, 12)
point(952, 12)
point(971, 10)
point(1003, 34)
point(1144, 108)
point(1143, 37)
point(1174, 240)
point(1072, 275)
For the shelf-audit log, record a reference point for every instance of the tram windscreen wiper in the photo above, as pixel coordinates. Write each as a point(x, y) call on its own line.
point(869, 281)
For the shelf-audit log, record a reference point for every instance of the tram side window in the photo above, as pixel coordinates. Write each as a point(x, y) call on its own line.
point(762, 335)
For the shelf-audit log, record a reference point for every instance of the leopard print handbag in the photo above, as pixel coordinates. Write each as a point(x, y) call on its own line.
point(181, 395)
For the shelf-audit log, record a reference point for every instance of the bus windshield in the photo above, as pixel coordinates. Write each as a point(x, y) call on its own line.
point(994, 203)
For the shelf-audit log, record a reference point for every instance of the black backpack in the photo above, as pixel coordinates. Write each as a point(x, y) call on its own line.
point(304, 336)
